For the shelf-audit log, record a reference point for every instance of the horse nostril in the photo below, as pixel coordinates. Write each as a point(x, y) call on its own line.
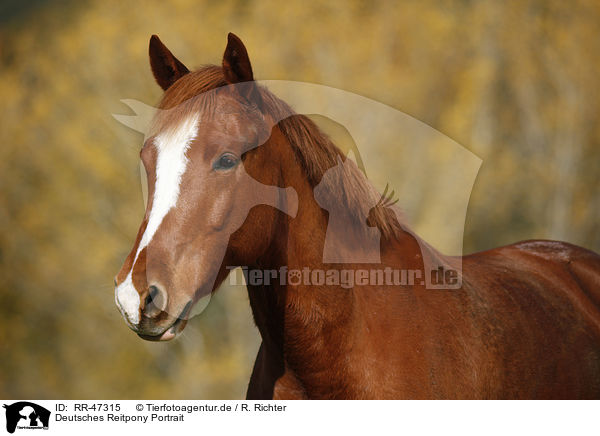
point(152, 294)
point(154, 302)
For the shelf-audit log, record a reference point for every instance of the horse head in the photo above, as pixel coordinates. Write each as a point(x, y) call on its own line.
point(204, 210)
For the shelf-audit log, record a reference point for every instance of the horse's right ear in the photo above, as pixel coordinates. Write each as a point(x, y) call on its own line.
point(165, 67)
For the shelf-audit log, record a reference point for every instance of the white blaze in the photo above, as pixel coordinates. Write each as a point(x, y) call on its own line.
point(171, 163)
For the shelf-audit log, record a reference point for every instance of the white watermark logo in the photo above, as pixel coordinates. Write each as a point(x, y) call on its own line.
point(344, 278)
point(391, 161)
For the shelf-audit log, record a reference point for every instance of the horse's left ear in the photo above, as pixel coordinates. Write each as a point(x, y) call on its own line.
point(236, 63)
point(237, 67)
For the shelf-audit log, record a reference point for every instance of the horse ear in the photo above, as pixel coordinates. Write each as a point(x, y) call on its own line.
point(237, 68)
point(236, 63)
point(165, 67)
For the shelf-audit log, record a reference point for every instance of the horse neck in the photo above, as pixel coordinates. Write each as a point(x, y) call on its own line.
point(293, 320)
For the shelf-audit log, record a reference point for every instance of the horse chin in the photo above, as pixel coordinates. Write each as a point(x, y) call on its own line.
point(169, 334)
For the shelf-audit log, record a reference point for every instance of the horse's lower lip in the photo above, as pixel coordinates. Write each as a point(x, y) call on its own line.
point(168, 334)
point(172, 331)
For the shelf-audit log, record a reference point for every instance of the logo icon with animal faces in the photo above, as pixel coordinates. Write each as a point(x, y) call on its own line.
point(26, 415)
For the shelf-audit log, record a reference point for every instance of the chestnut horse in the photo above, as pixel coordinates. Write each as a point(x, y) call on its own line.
point(232, 181)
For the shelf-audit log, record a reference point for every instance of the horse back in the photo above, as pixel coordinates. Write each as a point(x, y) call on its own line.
point(583, 265)
point(539, 302)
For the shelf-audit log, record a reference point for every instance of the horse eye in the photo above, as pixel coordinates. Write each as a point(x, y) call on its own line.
point(226, 162)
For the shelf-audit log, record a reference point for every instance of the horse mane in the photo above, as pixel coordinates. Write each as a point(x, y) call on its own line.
point(313, 149)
